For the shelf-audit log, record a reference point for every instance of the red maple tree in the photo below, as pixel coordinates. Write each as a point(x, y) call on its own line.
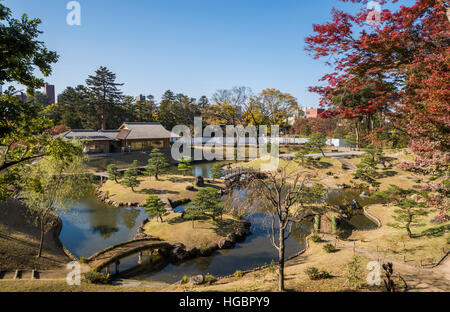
point(396, 71)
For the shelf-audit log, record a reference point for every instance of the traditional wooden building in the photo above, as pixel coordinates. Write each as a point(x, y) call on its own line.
point(130, 137)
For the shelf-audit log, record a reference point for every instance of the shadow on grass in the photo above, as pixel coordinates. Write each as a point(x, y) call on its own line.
point(151, 191)
point(435, 231)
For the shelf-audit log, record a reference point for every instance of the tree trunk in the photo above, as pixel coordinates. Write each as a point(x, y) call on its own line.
point(281, 261)
point(41, 242)
point(357, 137)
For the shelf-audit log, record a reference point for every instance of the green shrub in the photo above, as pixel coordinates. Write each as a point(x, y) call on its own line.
point(209, 279)
point(329, 173)
point(185, 280)
point(238, 273)
point(316, 238)
point(95, 277)
point(82, 260)
point(329, 248)
point(314, 273)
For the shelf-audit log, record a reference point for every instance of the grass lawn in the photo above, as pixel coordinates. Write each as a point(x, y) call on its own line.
point(396, 243)
point(62, 286)
point(205, 232)
point(169, 186)
point(296, 278)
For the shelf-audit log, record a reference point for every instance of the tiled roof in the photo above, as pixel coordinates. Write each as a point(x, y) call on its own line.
point(143, 130)
point(90, 135)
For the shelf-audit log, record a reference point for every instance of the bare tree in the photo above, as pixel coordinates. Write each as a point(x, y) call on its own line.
point(283, 195)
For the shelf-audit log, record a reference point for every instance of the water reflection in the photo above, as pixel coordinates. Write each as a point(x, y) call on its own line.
point(92, 225)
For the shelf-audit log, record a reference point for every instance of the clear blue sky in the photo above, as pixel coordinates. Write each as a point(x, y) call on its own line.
point(189, 46)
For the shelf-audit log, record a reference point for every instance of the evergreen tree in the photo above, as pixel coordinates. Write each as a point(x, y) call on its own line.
point(350, 140)
point(216, 171)
point(317, 142)
point(104, 94)
point(157, 163)
point(113, 172)
point(184, 165)
point(130, 176)
point(408, 215)
point(155, 207)
point(208, 201)
point(366, 170)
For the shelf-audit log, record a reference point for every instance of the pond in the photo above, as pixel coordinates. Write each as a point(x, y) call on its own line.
point(92, 225)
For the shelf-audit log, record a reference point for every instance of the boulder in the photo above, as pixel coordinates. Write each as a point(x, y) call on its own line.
point(179, 253)
point(199, 181)
point(196, 280)
point(232, 237)
point(364, 194)
point(142, 236)
point(140, 230)
point(225, 244)
point(193, 251)
point(241, 234)
point(190, 188)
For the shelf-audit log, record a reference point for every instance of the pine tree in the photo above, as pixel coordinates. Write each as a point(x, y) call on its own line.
point(155, 207)
point(157, 163)
point(317, 142)
point(184, 165)
point(366, 170)
point(104, 93)
point(408, 215)
point(216, 171)
point(112, 171)
point(208, 201)
point(130, 176)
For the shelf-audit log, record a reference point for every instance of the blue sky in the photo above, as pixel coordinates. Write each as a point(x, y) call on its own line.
point(194, 47)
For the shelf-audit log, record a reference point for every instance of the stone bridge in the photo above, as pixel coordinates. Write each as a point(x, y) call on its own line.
point(238, 172)
point(112, 255)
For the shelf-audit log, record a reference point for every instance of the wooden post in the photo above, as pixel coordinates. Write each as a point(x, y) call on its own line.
point(404, 258)
point(421, 263)
point(117, 266)
point(140, 258)
point(107, 270)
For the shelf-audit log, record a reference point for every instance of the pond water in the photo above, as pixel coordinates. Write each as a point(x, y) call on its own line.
point(92, 225)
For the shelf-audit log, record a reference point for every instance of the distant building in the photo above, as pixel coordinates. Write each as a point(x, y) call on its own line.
point(22, 97)
point(49, 91)
point(140, 98)
point(313, 112)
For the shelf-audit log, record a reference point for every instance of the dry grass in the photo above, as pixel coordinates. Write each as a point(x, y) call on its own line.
point(62, 286)
point(295, 278)
point(396, 243)
point(169, 186)
point(204, 233)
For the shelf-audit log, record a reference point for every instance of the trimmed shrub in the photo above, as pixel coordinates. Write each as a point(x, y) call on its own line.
point(329, 248)
point(314, 273)
point(209, 279)
point(238, 273)
point(185, 279)
point(95, 277)
point(316, 238)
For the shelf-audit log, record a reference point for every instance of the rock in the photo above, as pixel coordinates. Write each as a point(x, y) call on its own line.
point(225, 244)
point(196, 280)
point(179, 245)
point(117, 205)
point(179, 253)
point(232, 237)
point(140, 230)
point(193, 251)
point(142, 236)
point(199, 181)
point(241, 234)
point(190, 188)
point(364, 194)
point(246, 224)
